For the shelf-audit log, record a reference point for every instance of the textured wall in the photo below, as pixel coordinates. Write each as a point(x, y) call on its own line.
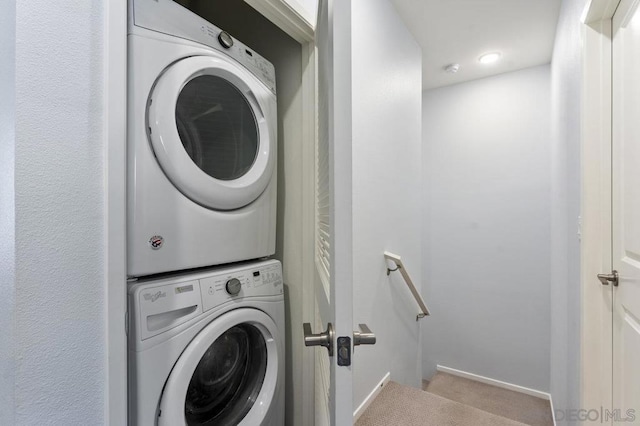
point(60, 291)
point(386, 186)
point(486, 230)
point(566, 81)
point(7, 209)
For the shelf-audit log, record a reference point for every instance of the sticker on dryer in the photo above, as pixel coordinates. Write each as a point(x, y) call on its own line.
point(156, 242)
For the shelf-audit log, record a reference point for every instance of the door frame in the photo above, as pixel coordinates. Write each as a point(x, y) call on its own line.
point(596, 192)
point(291, 21)
point(115, 157)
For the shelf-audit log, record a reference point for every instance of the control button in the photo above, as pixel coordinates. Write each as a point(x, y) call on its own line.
point(225, 39)
point(233, 286)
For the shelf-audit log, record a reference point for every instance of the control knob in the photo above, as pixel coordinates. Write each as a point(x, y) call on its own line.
point(233, 286)
point(225, 39)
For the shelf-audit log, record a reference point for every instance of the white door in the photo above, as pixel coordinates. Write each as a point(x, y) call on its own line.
point(349, 51)
point(333, 286)
point(626, 212)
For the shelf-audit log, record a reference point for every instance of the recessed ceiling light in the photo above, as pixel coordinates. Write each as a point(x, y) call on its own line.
point(489, 58)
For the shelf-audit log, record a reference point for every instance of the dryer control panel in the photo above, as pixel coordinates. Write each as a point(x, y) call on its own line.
point(169, 17)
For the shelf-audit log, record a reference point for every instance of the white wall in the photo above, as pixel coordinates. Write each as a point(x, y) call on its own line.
point(59, 342)
point(386, 186)
point(7, 209)
point(566, 81)
point(486, 227)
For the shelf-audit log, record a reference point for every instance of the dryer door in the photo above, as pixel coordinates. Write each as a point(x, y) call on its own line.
point(228, 375)
point(212, 128)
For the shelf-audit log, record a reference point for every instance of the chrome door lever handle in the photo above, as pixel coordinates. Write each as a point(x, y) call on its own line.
point(364, 336)
point(323, 339)
point(605, 279)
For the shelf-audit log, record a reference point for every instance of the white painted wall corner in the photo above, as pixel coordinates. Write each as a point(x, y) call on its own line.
point(372, 395)
point(494, 382)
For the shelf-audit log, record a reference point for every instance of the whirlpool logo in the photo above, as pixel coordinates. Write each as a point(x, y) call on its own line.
point(154, 296)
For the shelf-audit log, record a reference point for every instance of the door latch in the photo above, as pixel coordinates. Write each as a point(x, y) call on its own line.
point(605, 279)
point(362, 337)
point(344, 351)
point(323, 339)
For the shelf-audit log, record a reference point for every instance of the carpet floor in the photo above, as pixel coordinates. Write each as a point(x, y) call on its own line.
point(400, 405)
point(502, 402)
point(448, 400)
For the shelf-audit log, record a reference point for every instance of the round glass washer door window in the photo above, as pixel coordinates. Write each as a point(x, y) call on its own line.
point(228, 378)
point(213, 131)
point(227, 375)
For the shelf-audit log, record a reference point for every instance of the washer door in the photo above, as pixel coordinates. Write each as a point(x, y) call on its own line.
point(208, 130)
point(227, 375)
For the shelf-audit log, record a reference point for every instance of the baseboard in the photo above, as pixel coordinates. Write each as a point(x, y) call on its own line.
point(496, 383)
point(553, 411)
point(369, 399)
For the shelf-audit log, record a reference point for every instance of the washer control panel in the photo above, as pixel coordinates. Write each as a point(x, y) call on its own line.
point(264, 279)
point(162, 307)
point(160, 304)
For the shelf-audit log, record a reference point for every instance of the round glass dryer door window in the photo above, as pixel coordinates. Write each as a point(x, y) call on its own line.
point(211, 131)
point(217, 127)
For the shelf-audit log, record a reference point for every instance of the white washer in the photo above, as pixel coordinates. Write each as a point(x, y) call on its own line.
point(201, 144)
point(200, 354)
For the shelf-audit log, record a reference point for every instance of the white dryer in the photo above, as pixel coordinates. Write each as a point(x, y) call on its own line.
point(208, 348)
point(201, 144)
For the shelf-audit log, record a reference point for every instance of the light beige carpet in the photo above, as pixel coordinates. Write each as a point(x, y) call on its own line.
point(512, 405)
point(398, 405)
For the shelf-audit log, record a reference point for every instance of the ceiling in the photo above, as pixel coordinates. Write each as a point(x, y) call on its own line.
point(459, 31)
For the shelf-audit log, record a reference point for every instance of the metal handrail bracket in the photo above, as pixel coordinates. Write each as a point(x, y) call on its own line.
point(424, 311)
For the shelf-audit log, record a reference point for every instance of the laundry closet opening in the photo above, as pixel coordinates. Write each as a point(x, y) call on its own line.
point(250, 27)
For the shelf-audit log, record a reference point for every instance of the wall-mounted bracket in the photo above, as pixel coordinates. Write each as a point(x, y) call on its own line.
point(397, 260)
point(389, 270)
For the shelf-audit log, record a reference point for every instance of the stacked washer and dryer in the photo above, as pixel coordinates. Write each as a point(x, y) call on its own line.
point(206, 306)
